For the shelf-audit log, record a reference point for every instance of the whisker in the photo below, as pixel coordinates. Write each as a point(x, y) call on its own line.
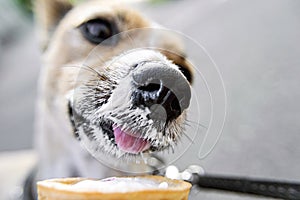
point(102, 77)
point(196, 123)
point(187, 124)
point(77, 81)
point(92, 69)
point(89, 69)
point(188, 137)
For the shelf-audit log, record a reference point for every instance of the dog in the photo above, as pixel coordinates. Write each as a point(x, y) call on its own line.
point(104, 90)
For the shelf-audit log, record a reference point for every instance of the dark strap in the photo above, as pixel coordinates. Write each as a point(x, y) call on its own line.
point(268, 188)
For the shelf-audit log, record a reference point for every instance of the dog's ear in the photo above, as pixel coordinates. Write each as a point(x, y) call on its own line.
point(48, 14)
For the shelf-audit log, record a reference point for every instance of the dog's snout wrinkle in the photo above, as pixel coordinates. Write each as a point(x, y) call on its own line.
point(160, 84)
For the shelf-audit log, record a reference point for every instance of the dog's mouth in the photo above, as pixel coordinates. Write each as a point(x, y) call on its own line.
point(129, 143)
point(125, 140)
point(136, 108)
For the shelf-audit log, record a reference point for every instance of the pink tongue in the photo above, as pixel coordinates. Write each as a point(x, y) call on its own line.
point(129, 143)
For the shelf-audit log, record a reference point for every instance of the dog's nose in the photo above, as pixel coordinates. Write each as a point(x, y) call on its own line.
point(161, 88)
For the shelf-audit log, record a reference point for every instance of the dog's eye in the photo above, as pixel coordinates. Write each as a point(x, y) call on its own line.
point(99, 30)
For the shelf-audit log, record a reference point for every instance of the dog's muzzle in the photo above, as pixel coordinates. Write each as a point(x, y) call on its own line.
point(139, 106)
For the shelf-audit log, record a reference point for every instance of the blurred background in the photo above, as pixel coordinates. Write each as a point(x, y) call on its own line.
point(255, 45)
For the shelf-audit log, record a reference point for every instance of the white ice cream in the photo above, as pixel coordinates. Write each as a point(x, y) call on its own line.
point(111, 185)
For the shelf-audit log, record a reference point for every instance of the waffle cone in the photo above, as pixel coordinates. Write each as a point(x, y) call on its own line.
point(61, 189)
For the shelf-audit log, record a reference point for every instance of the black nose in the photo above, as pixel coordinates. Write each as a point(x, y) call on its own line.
point(162, 89)
point(153, 95)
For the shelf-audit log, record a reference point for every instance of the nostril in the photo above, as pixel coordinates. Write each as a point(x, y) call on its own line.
point(175, 106)
point(152, 87)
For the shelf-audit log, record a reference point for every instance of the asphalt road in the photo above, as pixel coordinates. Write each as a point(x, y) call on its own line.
point(255, 45)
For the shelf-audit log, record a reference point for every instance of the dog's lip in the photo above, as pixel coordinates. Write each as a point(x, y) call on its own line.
point(129, 142)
